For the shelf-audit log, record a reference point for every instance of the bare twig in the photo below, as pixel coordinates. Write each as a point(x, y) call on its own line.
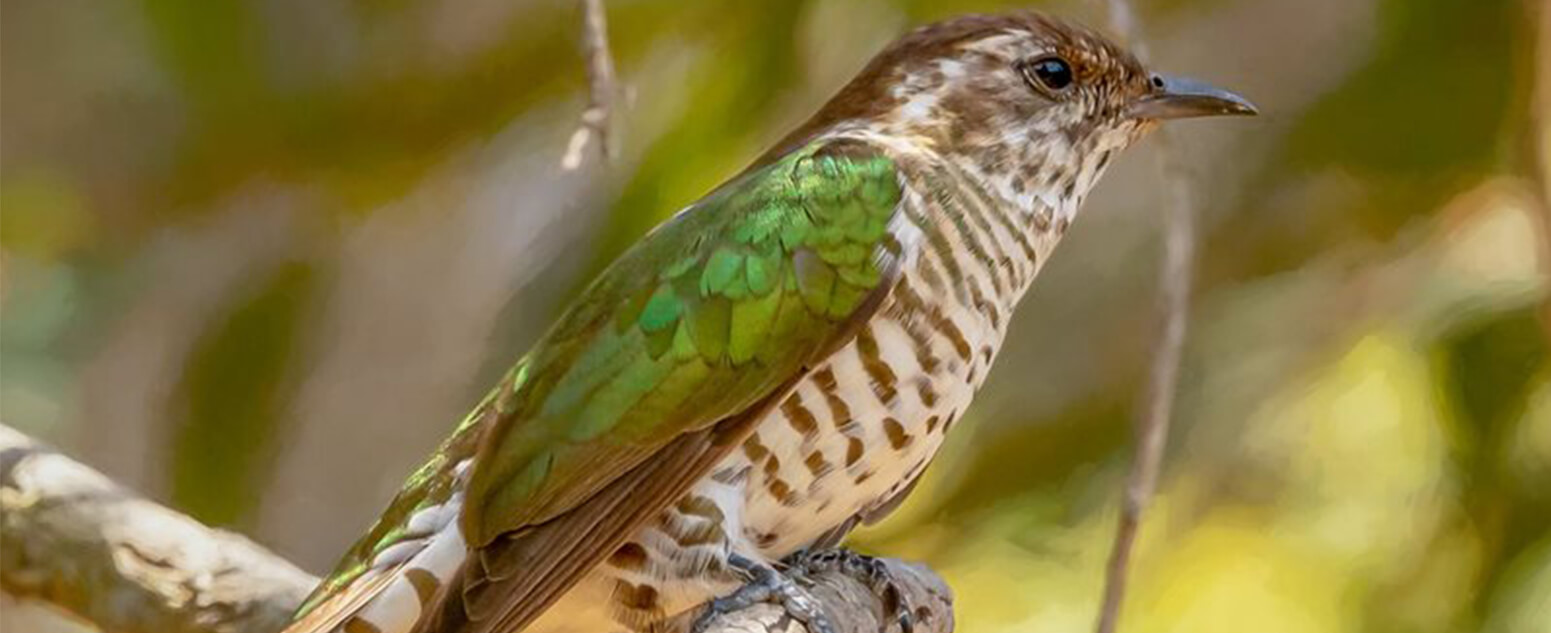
point(1156, 408)
point(1538, 16)
point(78, 541)
point(1539, 137)
point(596, 119)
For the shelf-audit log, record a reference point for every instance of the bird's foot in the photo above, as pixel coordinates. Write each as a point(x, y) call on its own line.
point(872, 572)
point(766, 585)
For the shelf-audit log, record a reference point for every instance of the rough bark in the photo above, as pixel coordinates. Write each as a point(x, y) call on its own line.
point(854, 608)
point(78, 541)
point(96, 550)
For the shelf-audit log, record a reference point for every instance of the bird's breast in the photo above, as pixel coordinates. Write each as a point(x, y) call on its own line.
point(862, 425)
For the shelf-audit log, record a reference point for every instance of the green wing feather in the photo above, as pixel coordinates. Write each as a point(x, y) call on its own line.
point(703, 318)
point(712, 313)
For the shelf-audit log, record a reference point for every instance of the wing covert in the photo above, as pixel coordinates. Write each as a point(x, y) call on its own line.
point(709, 314)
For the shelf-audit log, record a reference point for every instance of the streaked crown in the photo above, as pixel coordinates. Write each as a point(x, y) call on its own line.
point(1036, 105)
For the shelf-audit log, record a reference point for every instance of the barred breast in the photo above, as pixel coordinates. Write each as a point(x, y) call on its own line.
point(861, 426)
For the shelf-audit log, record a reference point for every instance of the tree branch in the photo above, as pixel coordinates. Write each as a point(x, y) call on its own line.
point(82, 543)
point(854, 608)
point(596, 119)
point(1156, 408)
point(77, 540)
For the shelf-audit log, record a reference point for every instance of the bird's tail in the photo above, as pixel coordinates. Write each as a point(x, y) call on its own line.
point(393, 572)
point(389, 599)
point(388, 579)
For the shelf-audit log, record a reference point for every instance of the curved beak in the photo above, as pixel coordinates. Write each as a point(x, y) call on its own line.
point(1181, 98)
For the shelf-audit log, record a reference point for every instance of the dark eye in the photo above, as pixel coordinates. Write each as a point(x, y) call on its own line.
point(1050, 74)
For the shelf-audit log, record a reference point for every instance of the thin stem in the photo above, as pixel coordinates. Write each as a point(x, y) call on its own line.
point(1156, 409)
point(597, 117)
point(1539, 138)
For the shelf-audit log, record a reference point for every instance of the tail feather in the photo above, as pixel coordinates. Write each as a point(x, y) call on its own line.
point(414, 547)
point(389, 599)
point(397, 582)
point(331, 615)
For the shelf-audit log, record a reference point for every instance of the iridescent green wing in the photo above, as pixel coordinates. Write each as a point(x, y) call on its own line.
point(663, 365)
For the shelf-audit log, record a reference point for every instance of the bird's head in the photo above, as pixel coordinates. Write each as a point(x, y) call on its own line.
point(1036, 105)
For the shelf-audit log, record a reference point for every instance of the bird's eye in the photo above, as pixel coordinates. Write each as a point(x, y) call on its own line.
point(1048, 74)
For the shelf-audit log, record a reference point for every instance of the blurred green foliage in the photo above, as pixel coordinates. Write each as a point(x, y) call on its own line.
point(236, 241)
point(1429, 103)
point(233, 386)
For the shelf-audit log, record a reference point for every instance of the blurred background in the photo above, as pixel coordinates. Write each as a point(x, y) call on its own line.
point(258, 256)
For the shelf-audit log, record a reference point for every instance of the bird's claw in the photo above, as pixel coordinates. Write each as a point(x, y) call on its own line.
point(766, 585)
point(868, 570)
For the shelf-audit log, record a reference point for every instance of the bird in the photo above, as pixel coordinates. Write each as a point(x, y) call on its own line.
point(775, 364)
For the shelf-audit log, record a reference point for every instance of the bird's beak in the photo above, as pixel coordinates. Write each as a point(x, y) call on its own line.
point(1181, 98)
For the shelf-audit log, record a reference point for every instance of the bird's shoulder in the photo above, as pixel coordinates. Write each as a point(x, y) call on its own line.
point(701, 319)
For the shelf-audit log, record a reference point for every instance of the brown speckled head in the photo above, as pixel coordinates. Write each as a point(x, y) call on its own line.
point(963, 80)
point(1034, 104)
